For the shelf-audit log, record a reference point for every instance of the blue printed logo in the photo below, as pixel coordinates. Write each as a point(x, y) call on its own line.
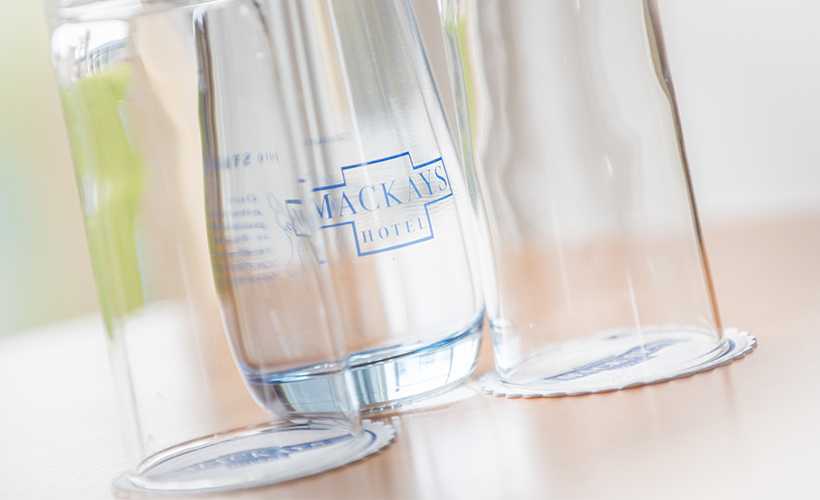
point(265, 455)
point(384, 202)
point(632, 357)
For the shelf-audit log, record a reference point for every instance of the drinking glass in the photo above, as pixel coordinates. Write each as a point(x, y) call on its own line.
point(598, 278)
point(129, 81)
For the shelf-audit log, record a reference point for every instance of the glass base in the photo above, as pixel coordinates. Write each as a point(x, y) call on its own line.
point(619, 360)
point(310, 391)
point(255, 456)
point(386, 378)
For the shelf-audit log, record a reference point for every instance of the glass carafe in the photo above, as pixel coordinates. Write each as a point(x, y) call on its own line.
point(341, 92)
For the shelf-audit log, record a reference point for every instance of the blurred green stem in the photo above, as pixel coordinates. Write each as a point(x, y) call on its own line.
point(111, 180)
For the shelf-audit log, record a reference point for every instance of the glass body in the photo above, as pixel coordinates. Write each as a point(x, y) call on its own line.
point(568, 125)
point(340, 92)
point(128, 77)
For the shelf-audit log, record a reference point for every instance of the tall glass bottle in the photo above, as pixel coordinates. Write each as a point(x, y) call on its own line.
point(342, 93)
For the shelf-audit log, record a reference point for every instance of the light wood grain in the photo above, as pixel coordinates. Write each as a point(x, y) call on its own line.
point(747, 430)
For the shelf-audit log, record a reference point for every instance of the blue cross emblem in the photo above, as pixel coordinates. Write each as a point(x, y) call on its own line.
point(385, 202)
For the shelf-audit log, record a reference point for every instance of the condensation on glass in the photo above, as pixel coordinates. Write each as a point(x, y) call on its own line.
point(597, 277)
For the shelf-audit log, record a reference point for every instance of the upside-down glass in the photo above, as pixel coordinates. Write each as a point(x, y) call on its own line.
point(129, 81)
point(342, 90)
point(568, 125)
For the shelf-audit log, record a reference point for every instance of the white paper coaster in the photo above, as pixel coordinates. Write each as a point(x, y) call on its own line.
point(255, 460)
point(622, 370)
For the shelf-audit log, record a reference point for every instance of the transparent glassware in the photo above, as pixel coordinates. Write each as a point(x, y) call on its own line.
point(129, 82)
point(598, 279)
point(342, 92)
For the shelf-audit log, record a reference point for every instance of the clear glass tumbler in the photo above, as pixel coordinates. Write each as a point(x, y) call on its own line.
point(129, 81)
point(569, 126)
point(340, 92)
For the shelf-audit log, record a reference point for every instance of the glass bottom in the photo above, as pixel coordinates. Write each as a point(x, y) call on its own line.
point(392, 377)
point(619, 360)
point(255, 456)
point(314, 391)
point(381, 378)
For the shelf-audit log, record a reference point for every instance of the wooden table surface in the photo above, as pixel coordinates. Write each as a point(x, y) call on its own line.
point(751, 429)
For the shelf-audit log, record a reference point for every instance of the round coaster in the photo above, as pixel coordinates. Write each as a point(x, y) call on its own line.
point(609, 362)
point(265, 457)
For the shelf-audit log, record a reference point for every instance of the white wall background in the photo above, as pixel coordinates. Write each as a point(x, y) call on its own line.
point(747, 75)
